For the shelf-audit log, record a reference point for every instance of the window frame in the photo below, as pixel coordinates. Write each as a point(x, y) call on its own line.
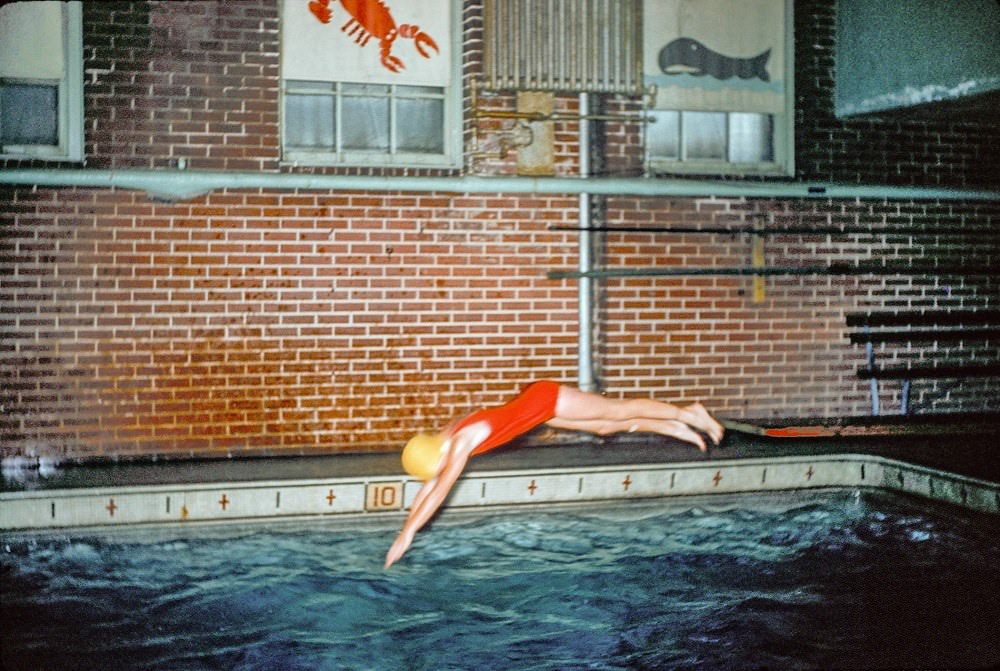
point(452, 121)
point(69, 98)
point(393, 156)
point(782, 163)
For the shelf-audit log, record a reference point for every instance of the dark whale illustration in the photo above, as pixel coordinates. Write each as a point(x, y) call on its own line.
point(693, 54)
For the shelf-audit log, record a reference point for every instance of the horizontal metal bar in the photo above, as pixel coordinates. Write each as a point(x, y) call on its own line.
point(790, 230)
point(982, 369)
point(936, 335)
point(834, 269)
point(555, 116)
point(952, 317)
point(182, 184)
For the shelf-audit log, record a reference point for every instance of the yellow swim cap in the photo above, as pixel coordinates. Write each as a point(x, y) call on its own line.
point(422, 455)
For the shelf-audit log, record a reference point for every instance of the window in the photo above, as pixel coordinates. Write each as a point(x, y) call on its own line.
point(383, 120)
point(705, 137)
point(719, 112)
point(41, 81)
point(349, 98)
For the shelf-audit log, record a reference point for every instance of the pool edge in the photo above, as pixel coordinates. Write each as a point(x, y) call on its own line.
point(355, 497)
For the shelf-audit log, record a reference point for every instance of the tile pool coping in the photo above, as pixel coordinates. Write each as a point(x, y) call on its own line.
point(387, 493)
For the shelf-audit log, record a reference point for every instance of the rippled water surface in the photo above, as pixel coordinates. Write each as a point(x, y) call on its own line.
point(834, 581)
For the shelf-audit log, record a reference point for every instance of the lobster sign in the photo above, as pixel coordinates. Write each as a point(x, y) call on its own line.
point(371, 18)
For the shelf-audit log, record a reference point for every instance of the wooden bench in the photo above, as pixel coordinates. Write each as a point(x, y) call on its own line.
point(961, 346)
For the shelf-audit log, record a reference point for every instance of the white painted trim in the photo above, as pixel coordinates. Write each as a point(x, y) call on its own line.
point(158, 505)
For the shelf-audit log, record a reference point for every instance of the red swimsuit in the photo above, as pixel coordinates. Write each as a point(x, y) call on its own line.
point(535, 405)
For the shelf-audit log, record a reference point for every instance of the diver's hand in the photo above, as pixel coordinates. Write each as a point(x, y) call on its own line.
point(399, 548)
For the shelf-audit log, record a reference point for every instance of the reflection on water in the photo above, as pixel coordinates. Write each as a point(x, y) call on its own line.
point(839, 581)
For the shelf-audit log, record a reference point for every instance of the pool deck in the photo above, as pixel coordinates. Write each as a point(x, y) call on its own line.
point(972, 450)
point(956, 462)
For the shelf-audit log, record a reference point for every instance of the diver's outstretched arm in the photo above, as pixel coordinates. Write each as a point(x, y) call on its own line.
point(436, 490)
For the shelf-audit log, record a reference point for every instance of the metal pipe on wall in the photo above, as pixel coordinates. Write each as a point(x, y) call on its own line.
point(874, 269)
point(585, 283)
point(909, 231)
point(184, 184)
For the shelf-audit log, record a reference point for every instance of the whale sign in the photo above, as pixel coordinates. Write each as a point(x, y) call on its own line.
point(716, 55)
point(697, 59)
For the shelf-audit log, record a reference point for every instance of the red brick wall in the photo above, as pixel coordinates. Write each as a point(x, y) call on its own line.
point(257, 321)
point(182, 80)
point(272, 321)
point(789, 354)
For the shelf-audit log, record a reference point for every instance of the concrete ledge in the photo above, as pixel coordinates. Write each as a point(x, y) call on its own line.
point(366, 495)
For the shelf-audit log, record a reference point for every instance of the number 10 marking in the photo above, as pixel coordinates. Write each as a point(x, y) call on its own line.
point(384, 496)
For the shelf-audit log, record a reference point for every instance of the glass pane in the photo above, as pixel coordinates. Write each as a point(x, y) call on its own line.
point(662, 135)
point(420, 126)
point(704, 135)
point(309, 121)
point(29, 114)
point(365, 124)
point(751, 138)
point(301, 85)
point(367, 90)
point(420, 90)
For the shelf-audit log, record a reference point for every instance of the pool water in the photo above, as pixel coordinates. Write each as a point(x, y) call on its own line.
point(838, 580)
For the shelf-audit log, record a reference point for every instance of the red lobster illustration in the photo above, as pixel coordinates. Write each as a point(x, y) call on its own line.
point(371, 18)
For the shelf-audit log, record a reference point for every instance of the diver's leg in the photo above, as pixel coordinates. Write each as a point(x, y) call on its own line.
point(576, 405)
point(603, 427)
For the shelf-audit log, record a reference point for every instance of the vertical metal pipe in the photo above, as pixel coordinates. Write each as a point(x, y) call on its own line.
point(873, 382)
point(585, 290)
